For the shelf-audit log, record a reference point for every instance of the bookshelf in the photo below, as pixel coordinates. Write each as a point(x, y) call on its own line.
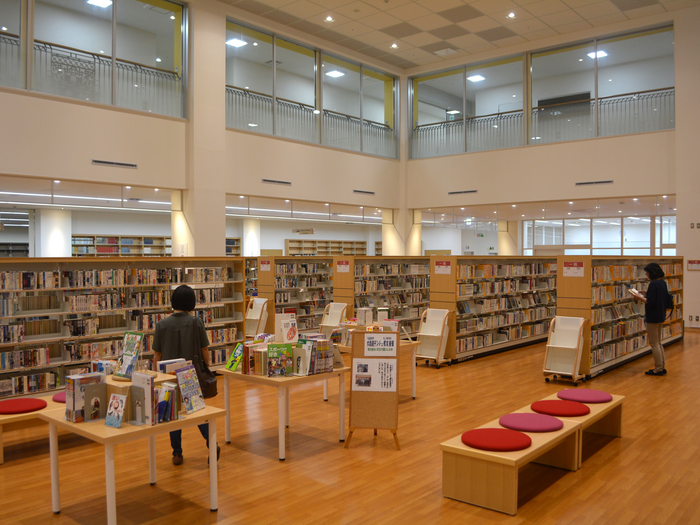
point(398, 285)
point(14, 249)
point(56, 315)
point(595, 288)
point(251, 276)
point(377, 248)
point(120, 246)
point(317, 248)
point(233, 246)
point(495, 303)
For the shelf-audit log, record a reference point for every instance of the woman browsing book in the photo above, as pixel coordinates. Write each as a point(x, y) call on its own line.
point(655, 314)
point(174, 339)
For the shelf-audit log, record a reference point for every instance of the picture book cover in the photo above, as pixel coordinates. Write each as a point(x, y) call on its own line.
point(115, 411)
point(130, 355)
point(235, 359)
point(280, 360)
point(189, 387)
point(95, 401)
point(75, 394)
point(146, 383)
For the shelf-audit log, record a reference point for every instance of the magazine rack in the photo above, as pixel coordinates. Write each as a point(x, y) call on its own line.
point(432, 336)
point(562, 358)
point(255, 316)
point(333, 315)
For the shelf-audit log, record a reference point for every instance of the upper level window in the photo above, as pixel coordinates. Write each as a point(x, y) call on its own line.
point(10, 44)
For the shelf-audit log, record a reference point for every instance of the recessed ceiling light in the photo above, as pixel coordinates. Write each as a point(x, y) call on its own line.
point(158, 60)
point(136, 85)
point(317, 111)
point(335, 74)
point(515, 96)
point(255, 44)
point(246, 87)
point(664, 196)
point(514, 205)
point(580, 60)
point(600, 54)
point(4, 28)
point(635, 199)
point(57, 181)
point(569, 213)
point(329, 18)
point(102, 52)
point(172, 17)
point(610, 80)
point(495, 212)
point(571, 202)
point(250, 124)
point(462, 209)
point(511, 15)
point(242, 197)
point(476, 78)
point(156, 189)
point(100, 3)
point(495, 126)
point(542, 209)
point(286, 200)
point(619, 211)
point(128, 187)
point(362, 207)
point(453, 112)
point(536, 138)
point(236, 42)
point(394, 46)
point(326, 204)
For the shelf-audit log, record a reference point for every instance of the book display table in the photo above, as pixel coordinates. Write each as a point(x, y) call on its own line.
point(108, 436)
point(283, 385)
point(28, 419)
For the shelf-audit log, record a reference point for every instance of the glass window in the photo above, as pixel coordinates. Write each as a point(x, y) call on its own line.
point(607, 236)
point(378, 136)
point(150, 56)
point(248, 79)
point(577, 231)
point(635, 83)
point(494, 101)
point(577, 251)
point(548, 233)
point(341, 103)
point(73, 49)
point(668, 234)
point(563, 89)
point(10, 43)
point(527, 235)
point(636, 236)
point(437, 119)
point(297, 117)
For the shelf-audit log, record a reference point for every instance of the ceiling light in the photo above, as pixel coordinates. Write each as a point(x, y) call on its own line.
point(635, 199)
point(236, 42)
point(600, 54)
point(102, 52)
point(462, 209)
point(569, 213)
point(495, 212)
point(4, 28)
point(511, 15)
point(158, 60)
point(515, 96)
point(619, 211)
point(247, 87)
point(57, 181)
point(100, 3)
point(571, 202)
point(664, 196)
point(394, 46)
point(476, 78)
point(326, 204)
point(495, 126)
point(335, 74)
point(136, 85)
point(362, 207)
point(610, 80)
point(172, 17)
point(675, 209)
point(453, 112)
point(317, 111)
point(513, 205)
point(255, 44)
point(522, 215)
point(250, 124)
point(128, 187)
point(286, 200)
point(156, 189)
point(242, 197)
point(536, 138)
point(580, 60)
point(329, 18)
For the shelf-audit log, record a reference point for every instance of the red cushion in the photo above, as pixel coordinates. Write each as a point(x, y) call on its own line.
point(531, 422)
point(584, 395)
point(560, 408)
point(21, 405)
point(496, 439)
point(60, 397)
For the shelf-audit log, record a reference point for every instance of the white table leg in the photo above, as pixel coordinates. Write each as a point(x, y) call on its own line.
point(111, 488)
point(286, 416)
point(281, 412)
point(213, 468)
point(152, 458)
point(325, 389)
point(53, 450)
point(413, 373)
point(227, 405)
point(341, 404)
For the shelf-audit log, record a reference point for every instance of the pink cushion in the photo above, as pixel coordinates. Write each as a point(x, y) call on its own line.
point(21, 405)
point(60, 397)
point(531, 422)
point(496, 439)
point(560, 408)
point(584, 395)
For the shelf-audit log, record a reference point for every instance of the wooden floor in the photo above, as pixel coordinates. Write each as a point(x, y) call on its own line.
point(650, 475)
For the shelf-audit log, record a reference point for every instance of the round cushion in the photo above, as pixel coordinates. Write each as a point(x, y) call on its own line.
point(531, 422)
point(584, 395)
point(560, 408)
point(60, 397)
point(21, 405)
point(496, 439)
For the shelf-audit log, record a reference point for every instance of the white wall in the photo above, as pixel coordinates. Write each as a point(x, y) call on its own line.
point(120, 223)
point(471, 242)
point(14, 234)
point(442, 239)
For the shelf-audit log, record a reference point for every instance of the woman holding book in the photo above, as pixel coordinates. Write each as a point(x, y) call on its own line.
point(174, 338)
point(655, 315)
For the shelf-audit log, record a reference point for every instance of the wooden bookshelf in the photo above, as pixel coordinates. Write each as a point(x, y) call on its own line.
point(56, 315)
point(401, 285)
point(377, 248)
point(317, 248)
point(251, 276)
point(233, 246)
point(120, 246)
point(595, 288)
point(14, 249)
point(495, 303)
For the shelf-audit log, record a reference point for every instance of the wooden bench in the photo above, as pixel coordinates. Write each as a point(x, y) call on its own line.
point(604, 418)
point(30, 419)
point(490, 479)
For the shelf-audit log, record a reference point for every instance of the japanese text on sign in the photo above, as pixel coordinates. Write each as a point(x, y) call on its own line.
point(380, 345)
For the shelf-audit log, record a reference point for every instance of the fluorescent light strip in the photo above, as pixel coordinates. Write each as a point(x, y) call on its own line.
point(18, 225)
point(80, 207)
point(3, 219)
point(14, 213)
point(291, 218)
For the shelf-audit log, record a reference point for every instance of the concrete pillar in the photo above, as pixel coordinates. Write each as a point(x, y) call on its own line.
point(52, 229)
point(251, 237)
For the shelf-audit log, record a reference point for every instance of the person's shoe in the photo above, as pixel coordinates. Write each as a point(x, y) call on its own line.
point(663, 371)
point(218, 453)
point(653, 372)
point(177, 459)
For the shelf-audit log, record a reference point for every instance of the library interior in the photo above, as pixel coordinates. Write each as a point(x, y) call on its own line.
point(478, 212)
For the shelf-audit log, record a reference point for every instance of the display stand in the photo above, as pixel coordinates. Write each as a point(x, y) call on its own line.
point(333, 315)
point(374, 394)
point(432, 336)
point(562, 358)
point(255, 317)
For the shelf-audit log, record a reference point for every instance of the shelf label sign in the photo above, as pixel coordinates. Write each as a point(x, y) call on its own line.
point(573, 269)
point(693, 265)
point(343, 267)
point(265, 265)
point(378, 344)
point(443, 267)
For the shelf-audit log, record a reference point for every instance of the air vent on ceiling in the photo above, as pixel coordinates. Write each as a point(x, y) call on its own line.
point(115, 164)
point(363, 192)
point(461, 192)
point(592, 182)
point(445, 52)
point(282, 182)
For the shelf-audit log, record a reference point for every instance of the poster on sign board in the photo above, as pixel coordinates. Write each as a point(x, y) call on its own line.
point(343, 267)
point(573, 269)
point(380, 344)
point(265, 265)
point(443, 267)
point(693, 265)
point(374, 375)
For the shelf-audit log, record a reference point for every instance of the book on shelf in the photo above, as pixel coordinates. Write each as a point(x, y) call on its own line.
point(167, 402)
point(189, 389)
point(75, 394)
point(279, 359)
point(127, 361)
point(115, 411)
point(105, 366)
point(145, 383)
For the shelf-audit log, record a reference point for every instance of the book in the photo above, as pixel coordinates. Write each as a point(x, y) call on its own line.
point(189, 389)
point(105, 366)
point(115, 411)
point(75, 394)
point(146, 383)
point(130, 355)
point(95, 401)
point(163, 365)
point(235, 358)
point(279, 359)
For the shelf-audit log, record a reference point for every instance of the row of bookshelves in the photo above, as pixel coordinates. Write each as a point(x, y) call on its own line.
point(119, 245)
point(318, 248)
